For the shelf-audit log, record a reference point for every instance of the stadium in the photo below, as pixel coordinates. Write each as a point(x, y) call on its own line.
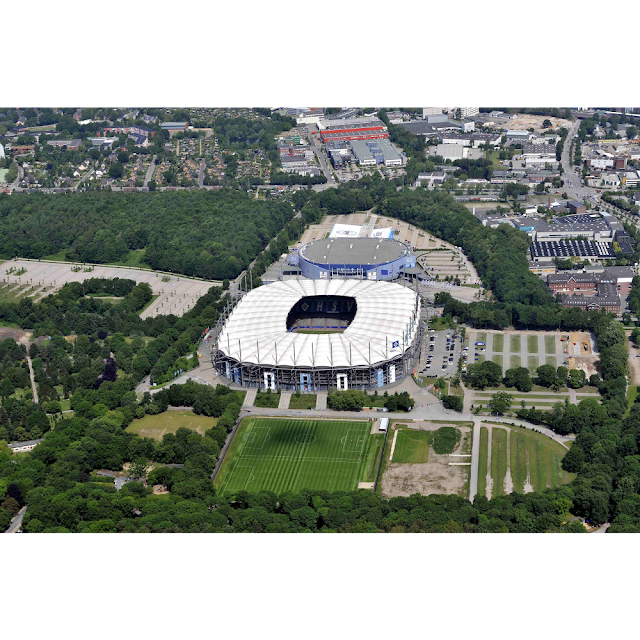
point(319, 334)
point(347, 254)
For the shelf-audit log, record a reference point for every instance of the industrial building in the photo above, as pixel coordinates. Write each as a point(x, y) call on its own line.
point(470, 139)
point(174, 126)
point(539, 154)
point(584, 249)
point(375, 152)
point(361, 128)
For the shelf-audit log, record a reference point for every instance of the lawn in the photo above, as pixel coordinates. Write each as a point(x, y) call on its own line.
point(481, 336)
point(266, 400)
point(169, 422)
point(522, 394)
point(532, 363)
point(12, 295)
point(543, 455)
point(553, 361)
point(514, 362)
point(135, 258)
point(498, 342)
point(484, 462)
point(439, 323)
point(532, 344)
point(289, 455)
point(550, 344)
point(498, 460)
point(303, 401)
point(497, 359)
point(632, 394)
point(61, 256)
point(494, 156)
point(515, 342)
point(412, 446)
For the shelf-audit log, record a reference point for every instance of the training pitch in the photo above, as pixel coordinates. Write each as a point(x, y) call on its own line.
point(289, 455)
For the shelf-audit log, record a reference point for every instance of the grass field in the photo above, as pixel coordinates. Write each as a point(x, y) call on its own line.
point(515, 362)
point(532, 344)
point(135, 258)
point(515, 342)
point(498, 461)
point(13, 293)
point(550, 345)
point(498, 342)
point(533, 456)
point(61, 256)
point(632, 394)
point(482, 463)
point(481, 336)
point(532, 363)
point(289, 455)
point(497, 359)
point(553, 361)
point(169, 422)
point(303, 401)
point(412, 446)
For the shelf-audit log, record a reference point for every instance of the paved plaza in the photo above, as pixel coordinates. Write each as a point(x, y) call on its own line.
point(176, 294)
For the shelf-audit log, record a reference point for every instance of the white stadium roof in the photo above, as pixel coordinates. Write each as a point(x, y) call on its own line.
point(256, 332)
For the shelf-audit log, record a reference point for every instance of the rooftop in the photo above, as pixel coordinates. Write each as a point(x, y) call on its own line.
point(354, 251)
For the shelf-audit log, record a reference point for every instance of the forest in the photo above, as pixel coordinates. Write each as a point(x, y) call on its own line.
point(212, 235)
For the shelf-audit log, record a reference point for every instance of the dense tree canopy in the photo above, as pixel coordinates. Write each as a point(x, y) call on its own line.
point(212, 234)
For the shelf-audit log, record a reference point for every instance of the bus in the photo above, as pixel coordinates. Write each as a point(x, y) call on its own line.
point(479, 344)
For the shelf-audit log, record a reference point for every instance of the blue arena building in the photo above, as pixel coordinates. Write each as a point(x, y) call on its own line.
point(363, 258)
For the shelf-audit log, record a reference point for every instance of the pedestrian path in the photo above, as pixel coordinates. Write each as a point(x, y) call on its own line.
point(321, 400)
point(250, 398)
point(285, 398)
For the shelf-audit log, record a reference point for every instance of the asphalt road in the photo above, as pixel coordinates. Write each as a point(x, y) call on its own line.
point(320, 155)
point(16, 523)
point(150, 171)
point(201, 174)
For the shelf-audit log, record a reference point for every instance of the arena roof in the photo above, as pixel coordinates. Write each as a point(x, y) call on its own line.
point(353, 251)
point(256, 332)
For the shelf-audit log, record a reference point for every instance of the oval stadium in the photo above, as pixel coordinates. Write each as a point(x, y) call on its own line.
point(370, 258)
point(319, 334)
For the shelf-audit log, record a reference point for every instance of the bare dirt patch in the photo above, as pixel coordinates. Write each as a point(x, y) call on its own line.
point(524, 121)
point(434, 476)
point(584, 364)
point(19, 335)
point(580, 343)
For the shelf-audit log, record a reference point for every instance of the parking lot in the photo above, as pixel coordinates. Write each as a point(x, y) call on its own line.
point(440, 353)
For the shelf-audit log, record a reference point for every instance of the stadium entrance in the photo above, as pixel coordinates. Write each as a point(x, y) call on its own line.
point(325, 314)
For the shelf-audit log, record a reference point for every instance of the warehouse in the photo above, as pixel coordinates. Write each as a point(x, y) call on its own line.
point(375, 152)
point(584, 249)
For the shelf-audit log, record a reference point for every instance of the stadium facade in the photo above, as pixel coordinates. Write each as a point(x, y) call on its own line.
point(312, 335)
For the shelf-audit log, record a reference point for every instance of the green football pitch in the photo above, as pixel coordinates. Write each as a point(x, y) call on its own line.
point(289, 455)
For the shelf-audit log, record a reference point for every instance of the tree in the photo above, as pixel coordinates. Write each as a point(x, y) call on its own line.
point(123, 157)
point(116, 170)
point(452, 402)
point(152, 185)
point(11, 505)
point(547, 375)
point(518, 378)
point(138, 468)
point(501, 402)
point(546, 124)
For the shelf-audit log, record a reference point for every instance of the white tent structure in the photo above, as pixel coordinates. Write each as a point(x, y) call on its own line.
point(255, 339)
